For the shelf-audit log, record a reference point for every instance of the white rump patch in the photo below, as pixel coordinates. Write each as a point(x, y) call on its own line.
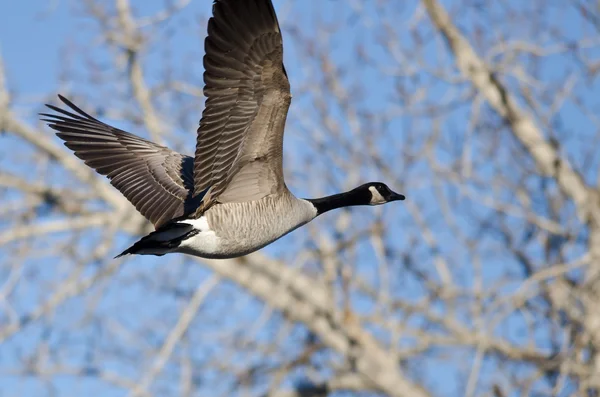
point(204, 244)
point(200, 224)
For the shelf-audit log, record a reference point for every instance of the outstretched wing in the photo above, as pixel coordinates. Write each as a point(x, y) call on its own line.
point(240, 139)
point(155, 179)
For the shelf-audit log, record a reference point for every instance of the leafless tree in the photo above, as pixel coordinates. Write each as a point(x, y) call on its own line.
point(485, 282)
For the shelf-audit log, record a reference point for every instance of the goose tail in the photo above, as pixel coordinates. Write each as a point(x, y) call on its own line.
point(161, 241)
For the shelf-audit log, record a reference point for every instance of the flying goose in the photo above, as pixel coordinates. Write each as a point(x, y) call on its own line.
point(230, 199)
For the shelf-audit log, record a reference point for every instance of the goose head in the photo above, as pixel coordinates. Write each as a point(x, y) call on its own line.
point(379, 193)
point(371, 193)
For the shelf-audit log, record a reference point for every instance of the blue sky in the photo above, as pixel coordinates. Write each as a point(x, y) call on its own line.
point(39, 40)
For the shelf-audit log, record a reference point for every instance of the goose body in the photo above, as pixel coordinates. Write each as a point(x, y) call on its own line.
point(230, 199)
point(236, 229)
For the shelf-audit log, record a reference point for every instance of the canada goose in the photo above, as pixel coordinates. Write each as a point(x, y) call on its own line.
point(230, 199)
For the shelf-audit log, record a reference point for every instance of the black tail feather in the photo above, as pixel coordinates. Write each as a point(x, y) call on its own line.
point(161, 241)
point(129, 251)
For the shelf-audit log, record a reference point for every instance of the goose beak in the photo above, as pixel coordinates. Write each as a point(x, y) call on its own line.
point(396, 197)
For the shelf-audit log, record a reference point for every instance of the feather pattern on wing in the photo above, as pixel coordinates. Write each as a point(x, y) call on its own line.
point(239, 149)
point(155, 179)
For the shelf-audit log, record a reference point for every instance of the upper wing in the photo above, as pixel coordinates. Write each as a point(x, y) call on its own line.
point(239, 149)
point(155, 179)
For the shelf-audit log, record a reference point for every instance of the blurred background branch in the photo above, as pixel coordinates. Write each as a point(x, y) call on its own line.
point(483, 283)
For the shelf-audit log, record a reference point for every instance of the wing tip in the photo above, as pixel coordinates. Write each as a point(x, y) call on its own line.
point(262, 12)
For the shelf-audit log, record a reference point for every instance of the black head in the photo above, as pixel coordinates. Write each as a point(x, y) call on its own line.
point(379, 193)
point(372, 193)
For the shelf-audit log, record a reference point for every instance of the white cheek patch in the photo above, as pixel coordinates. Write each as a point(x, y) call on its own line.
point(376, 198)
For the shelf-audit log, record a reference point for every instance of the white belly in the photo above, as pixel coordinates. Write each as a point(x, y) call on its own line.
point(242, 228)
point(205, 244)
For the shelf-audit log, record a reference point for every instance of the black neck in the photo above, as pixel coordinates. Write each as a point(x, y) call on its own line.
point(346, 199)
